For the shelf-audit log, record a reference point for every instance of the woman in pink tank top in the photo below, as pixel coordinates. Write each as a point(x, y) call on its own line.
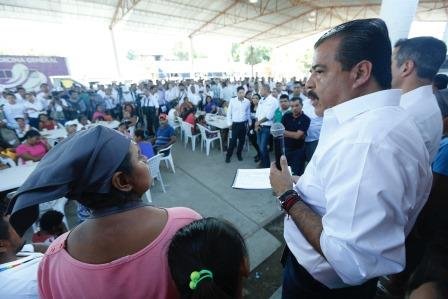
point(120, 251)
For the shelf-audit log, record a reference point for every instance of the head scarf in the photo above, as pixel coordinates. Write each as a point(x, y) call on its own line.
point(83, 163)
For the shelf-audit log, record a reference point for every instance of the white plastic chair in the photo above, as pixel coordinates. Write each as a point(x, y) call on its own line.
point(168, 158)
point(8, 161)
point(174, 123)
point(154, 167)
point(188, 132)
point(182, 134)
point(207, 141)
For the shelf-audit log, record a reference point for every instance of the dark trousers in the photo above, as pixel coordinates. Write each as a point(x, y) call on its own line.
point(238, 133)
point(253, 141)
point(263, 138)
point(296, 159)
point(299, 284)
point(150, 115)
point(310, 147)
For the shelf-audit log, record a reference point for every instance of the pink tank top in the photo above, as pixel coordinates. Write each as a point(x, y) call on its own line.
point(144, 274)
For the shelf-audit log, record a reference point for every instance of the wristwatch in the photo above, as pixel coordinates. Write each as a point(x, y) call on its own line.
point(288, 199)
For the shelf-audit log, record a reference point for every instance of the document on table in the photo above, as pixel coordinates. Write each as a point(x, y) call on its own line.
point(252, 179)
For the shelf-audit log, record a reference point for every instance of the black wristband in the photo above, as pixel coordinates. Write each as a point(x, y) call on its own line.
point(286, 194)
point(288, 199)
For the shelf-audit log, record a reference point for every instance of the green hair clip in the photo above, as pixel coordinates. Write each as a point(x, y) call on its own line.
point(196, 277)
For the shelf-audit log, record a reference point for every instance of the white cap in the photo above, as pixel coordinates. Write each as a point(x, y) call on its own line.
point(71, 123)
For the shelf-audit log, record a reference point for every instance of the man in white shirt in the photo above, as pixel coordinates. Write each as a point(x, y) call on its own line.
point(18, 270)
point(227, 91)
point(33, 108)
point(265, 113)
point(313, 133)
point(351, 210)
point(150, 109)
point(20, 94)
point(44, 96)
point(112, 103)
point(172, 93)
point(181, 94)
point(193, 95)
point(238, 116)
point(415, 62)
point(12, 110)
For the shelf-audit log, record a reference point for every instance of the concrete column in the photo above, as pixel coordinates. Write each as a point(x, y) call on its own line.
point(114, 48)
point(398, 15)
point(445, 34)
point(191, 57)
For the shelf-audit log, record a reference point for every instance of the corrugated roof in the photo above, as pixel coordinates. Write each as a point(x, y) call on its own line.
point(271, 22)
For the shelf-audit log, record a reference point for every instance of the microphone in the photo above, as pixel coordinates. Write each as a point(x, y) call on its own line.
point(277, 131)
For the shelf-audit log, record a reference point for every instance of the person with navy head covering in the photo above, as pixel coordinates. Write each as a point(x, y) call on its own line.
point(118, 252)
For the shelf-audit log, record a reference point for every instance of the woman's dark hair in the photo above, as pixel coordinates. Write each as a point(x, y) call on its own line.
point(207, 244)
point(31, 134)
point(208, 97)
point(94, 201)
point(257, 95)
point(364, 39)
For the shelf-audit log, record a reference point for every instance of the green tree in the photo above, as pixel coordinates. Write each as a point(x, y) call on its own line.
point(255, 55)
point(131, 55)
point(236, 52)
point(181, 52)
point(305, 60)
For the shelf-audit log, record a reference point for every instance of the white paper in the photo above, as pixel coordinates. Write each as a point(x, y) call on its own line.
point(252, 179)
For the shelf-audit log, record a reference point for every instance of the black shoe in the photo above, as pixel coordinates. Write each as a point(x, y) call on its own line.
point(240, 158)
point(256, 159)
point(227, 159)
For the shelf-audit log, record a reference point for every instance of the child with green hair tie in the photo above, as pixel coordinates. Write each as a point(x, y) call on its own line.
point(208, 259)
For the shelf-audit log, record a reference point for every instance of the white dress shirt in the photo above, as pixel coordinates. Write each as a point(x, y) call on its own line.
point(18, 279)
point(111, 101)
point(171, 94)
point(194, 98)
point(227, 93)
point(182, 95)
point(150, 101)
point(266, 108)
point(33, 109)
point(13, 111)
point(368, 178)
point(42, 97)
point(313, 132)
point(421, 104)
point(238, 111)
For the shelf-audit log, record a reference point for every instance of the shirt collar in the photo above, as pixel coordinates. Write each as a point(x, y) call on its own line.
point(416, 95)
point(351, 108)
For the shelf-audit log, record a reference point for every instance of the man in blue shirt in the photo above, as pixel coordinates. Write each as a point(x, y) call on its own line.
point(165, 135)
point(296, 125)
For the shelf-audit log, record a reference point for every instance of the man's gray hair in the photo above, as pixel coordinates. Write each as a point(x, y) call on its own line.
point(427, 53)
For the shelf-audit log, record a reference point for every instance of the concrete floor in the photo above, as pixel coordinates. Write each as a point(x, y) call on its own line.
point(204, 183)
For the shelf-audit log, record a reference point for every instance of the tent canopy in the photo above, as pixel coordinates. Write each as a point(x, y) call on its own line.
point(270, 22)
